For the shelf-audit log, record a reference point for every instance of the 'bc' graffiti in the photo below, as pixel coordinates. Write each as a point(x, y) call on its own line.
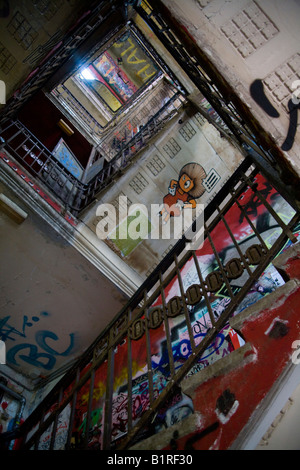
point(182, 350)
point(31, 354)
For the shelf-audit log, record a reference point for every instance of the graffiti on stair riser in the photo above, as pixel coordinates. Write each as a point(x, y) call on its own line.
point(177, 407)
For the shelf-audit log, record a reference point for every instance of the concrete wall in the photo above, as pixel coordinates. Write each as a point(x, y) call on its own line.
point(54, 303)
point(44, 25)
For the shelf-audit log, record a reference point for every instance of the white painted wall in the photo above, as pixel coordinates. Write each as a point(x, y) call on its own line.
point(284, 432)
point(249, 40)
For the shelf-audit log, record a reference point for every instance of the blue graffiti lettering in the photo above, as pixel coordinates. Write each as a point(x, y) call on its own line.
point(7, 331)
point(32, 358)
point(41, 337)
point(47, 357)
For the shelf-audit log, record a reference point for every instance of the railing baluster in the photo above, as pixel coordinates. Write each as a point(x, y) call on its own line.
point(34, 160)
point(89, 409)
point(257, 234)
point(219, 263)
point(109, 397)
point(207, 300)
point(55, 422)
point(186, 312)
point(10, 139)
point(129, 377)
point(167, 328)
point(22, 143)
point(73, 410)
point(29, 150)
point(4, 129)
point(246, 265)
point(37, 440)
point(148, 352)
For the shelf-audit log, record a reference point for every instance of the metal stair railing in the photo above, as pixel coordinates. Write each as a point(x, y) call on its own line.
point(39, 161)
point(147, 310)
point(76, 196)
point(131, 148)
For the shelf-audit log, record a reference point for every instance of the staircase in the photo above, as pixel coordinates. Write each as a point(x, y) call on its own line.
point(118, 393)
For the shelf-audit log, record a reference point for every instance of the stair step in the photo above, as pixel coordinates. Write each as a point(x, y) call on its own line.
point(163, 438)
point(230, 362)
point(192, 423)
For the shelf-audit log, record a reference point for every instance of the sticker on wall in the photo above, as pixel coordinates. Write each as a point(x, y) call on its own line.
point(67, 159)
point(211, 180)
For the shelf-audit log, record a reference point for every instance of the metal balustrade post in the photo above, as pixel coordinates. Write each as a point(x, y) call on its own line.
point(228, 286)
point(167, 328)
point(186, 312)
point(10, 139)
point(235, 243)
point(148, 353)
point(73, 412)
point(37, 439)
point(55, 422)
point(109, 396)
point(203, 289)
point(255, 231)
point(89, 409)
point(129, 378)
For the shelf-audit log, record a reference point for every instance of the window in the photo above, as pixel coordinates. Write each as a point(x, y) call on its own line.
point(117, 90)
point(21, 30)
point(112, 78)
point(119, 72)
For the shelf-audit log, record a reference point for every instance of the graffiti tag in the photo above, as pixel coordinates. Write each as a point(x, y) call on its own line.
point(44, 357)
point(258, 94)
